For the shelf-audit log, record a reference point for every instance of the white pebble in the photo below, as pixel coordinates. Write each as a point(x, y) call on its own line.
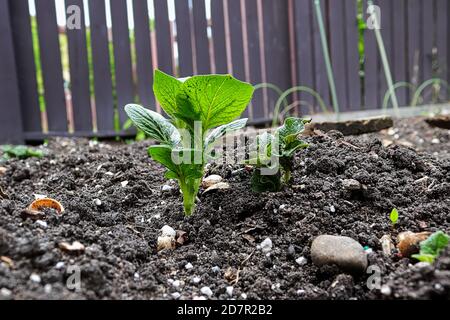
point(166, 188)
point(35, 278)
point(196, 280)
point(97, 202)
point(230, 291)
point(59, 265)
point(266, 245)
point(215, 269)
point(206, 291)
point(42, 223)
point(199, 298)
point(282, 207)
point(109, 173)
point(435, 141)
point(168, 231)
point(301, 261)
point(5, 292)
point(386, 290)
point(136, 276)
point(176, 284)
point(332, 209)
point(176, 295)
point(124, 184)
point(300, 292)
point(48, 288)
point(244, 296)
point(188, 266)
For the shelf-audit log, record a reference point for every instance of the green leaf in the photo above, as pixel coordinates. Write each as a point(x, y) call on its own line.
point(261, 150)
point(21, 152)
point(262, 183)
point(223, 130)
point(166, 89)
point(153, 124)
point(432, 246)
point(292, 147)
point(291, 128)
point(394, 216)
point(212, 99)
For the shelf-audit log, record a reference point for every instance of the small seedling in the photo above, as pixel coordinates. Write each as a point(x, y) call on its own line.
point(274, 151)
point(201, 110)
point(394, 216)
point(432, 247)
point(21, 152)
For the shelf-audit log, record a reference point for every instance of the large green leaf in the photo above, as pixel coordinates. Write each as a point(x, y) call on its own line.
point(212, 99)
point(223, 130)
point(166, 89)
point(153, 124)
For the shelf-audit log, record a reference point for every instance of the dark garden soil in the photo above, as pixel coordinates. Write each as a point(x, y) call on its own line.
point(120, 233)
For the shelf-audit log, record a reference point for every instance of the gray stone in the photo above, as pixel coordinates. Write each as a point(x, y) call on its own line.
point(345, 252)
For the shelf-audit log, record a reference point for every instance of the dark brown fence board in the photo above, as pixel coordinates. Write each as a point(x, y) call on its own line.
point(427, 46)
point(321, 79)
point(144, 68)
point(386, 33)
point(122, 57)
point(104, 103)
point(26, 68)
point(201, 37)
point(184, 39)
point(442, 43)
point(255, 59)
point(55, 102)
point(218, 35)
point(352, 56)
point(276, 40)
point(11, 130)
point(371, 69)
point(163, 36)
point(399, 68)
point(79, 72)
point(414, 42)
point(305, 49)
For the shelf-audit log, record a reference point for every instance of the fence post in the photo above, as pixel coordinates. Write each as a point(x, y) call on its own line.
point(11, 130)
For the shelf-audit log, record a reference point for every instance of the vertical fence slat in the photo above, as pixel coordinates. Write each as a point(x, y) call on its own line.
point(321, 80)
point(386, 33)
point(255, 59)
point(51, 65)
point(218, 35)
point(10, 119)
point(305, 49)
point(427, 46)
point(414, 41)
point(122, 56)
point(442, 42)
point(400, 53)
point(201, 37)
point(337, 49)
point(352, 56)
point(104, 103)
point(79, 72)
point(143, 53)
point(371, 68)
point(163, 36)
point(26, 68)
point(276, 40)
point(184, 39)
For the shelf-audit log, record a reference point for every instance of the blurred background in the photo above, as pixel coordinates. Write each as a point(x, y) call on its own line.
point(67, 67)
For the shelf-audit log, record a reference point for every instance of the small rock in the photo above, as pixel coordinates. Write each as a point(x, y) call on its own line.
point(60, 265)
point(211, 180)
point(176, 295)
point(196, 280)
point(387, 245)
point(136, 276)
point(188, 266)
point(35, 278)
point(244, 296)
point(199, 298)
point(176, 283)
point(217, 186)
point(332, 209)
point(97, 202)
point(166, 188)
point(435, 141)
point(5, 293)
point(215, 269)
point(2, 172)
point(266, 245)
point(42, 224)
point(282, 207)
point(301, 261)
point(342, 251)
point(206, 291)
point(229, 291)
point(351, 184)
point(48, 288)
point(385, 290)
point(168, 231)
point(408, 242)
point(124, 184)
point(75, 247)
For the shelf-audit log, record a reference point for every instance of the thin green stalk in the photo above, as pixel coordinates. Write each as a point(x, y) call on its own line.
point(397, 85)
point(422, 87)
point(326, 56)
point(384, 60)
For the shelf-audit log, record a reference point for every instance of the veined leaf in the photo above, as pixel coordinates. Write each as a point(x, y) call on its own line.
point(212, 99)
point(291, 128)
point(153, 124)
point(166, 89)
point(223, 130)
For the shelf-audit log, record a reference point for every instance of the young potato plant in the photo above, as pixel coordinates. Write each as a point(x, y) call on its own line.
point(432, 247)
point(274, 151)
point(201, 109)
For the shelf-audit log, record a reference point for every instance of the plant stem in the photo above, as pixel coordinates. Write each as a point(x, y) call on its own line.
point(189, 188)
point(287, 176)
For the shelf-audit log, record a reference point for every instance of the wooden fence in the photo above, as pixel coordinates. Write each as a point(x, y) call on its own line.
point(110, 64)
